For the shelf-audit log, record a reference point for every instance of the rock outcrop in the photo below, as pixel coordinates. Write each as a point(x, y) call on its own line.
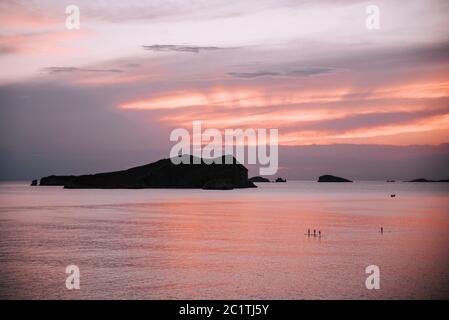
point(162, 174)
point(259, 179)
point(330, 178)
point(55, 180)
point(426, 180)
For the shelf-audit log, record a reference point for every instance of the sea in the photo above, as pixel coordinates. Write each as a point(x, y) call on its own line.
point(233, 244)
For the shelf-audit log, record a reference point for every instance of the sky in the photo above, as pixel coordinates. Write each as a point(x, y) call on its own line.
point(107, 95)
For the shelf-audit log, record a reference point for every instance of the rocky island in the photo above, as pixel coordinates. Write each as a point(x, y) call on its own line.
point(330, 178)
point(426, 180)
point(162, 174)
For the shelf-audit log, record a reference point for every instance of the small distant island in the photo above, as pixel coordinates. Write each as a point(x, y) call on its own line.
point(162, 174)
point(258, 179)
point(426, 180)
point(330, 178)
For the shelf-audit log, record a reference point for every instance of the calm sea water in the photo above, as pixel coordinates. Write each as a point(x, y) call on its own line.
point(240, 244)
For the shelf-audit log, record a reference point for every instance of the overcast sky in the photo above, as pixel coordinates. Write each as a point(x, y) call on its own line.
point(106, 96)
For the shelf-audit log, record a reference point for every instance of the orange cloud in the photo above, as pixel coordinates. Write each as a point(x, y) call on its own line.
point(281, 118)
point(414, 91)
point(254, 97)
point(290, 109)
point(233, 98)
point(9, 19)
point(46, 42)
point(435, 123)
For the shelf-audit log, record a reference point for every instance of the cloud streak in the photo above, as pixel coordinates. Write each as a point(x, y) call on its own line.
point(57, 70)
point(179, 48)
point(300, 72)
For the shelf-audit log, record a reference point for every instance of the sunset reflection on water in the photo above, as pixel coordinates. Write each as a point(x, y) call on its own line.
point(240, 244)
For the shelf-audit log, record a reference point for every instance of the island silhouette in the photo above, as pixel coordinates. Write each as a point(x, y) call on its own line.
point(330, 178)
point(210, 174)
point(427, 180)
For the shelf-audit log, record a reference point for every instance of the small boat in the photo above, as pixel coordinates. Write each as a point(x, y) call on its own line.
point(392, 195)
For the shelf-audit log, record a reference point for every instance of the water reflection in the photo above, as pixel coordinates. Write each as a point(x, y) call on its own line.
point(243, 244)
